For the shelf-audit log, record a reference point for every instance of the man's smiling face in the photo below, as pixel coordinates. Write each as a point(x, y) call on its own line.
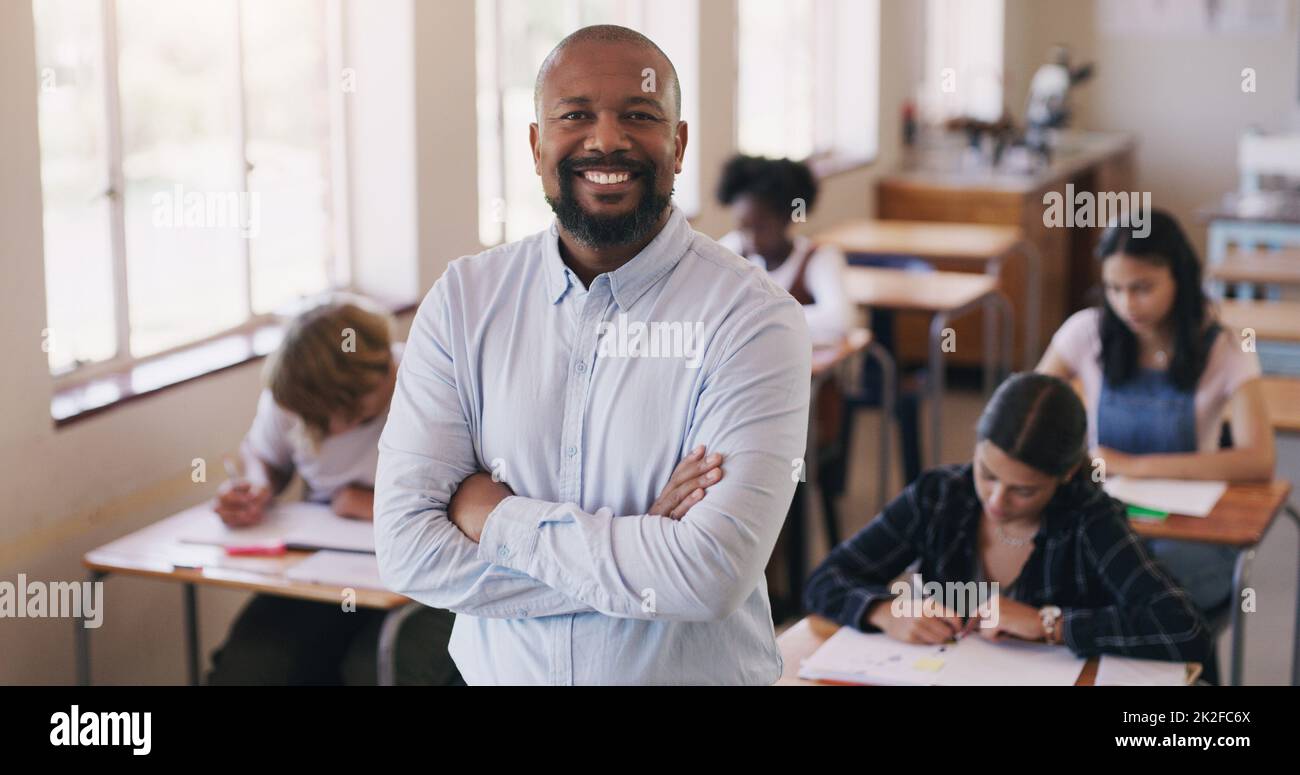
point(606, 147)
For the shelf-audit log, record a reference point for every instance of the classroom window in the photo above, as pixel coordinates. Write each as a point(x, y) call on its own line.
point(186, 170)
point(963, 60)
point(808, 78)
point(513, 37)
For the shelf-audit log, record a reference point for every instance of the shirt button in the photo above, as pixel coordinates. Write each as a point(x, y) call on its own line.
point(572, 451)
point(503, 552)
point(582, 367)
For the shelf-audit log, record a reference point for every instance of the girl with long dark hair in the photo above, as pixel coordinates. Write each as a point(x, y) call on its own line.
point(1159, 372)
point(1025, 514)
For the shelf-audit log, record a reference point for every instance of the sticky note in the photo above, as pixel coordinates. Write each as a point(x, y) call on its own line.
point(928, 664)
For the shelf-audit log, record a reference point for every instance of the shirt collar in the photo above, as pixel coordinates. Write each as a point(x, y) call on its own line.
point(634, 278)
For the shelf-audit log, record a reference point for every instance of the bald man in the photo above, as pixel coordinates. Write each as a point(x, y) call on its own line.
point(552, 386)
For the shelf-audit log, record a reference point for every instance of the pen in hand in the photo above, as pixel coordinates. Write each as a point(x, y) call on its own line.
point(238, 504)
point(233, 471)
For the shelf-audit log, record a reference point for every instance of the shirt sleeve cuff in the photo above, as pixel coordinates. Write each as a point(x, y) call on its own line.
point(510, 533)
point(1077, 626)
point(854, 612)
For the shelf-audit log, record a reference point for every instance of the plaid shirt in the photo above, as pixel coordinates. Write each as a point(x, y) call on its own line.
point(1086, 559)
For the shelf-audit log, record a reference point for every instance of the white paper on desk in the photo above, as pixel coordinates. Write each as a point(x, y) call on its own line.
point(299, 525)
point(874, 658)
point(1175, 496)
point(1131, 671)
point(346, 569)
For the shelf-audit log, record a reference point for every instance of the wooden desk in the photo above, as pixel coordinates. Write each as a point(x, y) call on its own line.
point(944, 296)
point(156, 552)
point(808, 634)
point(829, 356)
point(1240, 519)
point(1087, 161)
point(959, 247)
point(1272, 321)
point(1282, 396)
point(1254, 266)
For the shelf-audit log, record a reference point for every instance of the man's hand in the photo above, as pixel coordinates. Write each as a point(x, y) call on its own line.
point(473, 501)
point(695, 474)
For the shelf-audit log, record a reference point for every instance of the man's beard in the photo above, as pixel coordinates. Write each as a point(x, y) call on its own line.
point(597, 231)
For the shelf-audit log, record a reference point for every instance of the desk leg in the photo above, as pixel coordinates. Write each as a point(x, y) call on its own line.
point(812, 490)
point(1240, 573)
point(388, 632)
point(1008, 342)
point(1295, 643)
point(935, 387)
point(889, 391)
point(190, 594)
point(1033, 301)
point(807, 510)
point(1216, 248)
point(81, 642)
point(991, 363)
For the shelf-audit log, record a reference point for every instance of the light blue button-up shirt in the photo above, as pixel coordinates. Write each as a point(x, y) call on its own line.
point(583, 401)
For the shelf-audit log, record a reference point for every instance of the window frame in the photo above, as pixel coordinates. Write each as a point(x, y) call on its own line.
point(828, 157)
point(339, 267)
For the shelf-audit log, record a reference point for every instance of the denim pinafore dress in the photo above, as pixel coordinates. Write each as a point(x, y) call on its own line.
point(1149, 414)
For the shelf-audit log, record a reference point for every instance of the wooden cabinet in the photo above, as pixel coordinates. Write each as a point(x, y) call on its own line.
point(1094, 162)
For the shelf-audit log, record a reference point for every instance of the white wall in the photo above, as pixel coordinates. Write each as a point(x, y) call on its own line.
point(1180, 96)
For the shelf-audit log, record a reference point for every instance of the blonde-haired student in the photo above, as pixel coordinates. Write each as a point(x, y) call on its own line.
point(326, 399)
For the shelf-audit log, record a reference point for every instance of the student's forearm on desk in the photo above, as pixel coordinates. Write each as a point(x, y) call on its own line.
point(356, 502)
point(1234, 465)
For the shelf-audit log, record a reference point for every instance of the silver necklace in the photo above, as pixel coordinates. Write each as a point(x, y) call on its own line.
point(1010, 540)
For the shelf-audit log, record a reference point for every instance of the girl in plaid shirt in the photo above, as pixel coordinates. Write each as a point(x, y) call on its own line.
point(1026, 514)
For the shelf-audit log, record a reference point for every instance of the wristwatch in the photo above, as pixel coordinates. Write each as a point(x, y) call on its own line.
point(1050, 615)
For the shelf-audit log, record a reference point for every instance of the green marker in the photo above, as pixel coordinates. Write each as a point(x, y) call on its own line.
point(1140, 512)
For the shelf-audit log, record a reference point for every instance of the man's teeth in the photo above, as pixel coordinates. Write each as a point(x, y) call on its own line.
point(606, 178)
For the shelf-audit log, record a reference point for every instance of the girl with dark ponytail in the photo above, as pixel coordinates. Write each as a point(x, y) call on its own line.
point(1026, 518)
